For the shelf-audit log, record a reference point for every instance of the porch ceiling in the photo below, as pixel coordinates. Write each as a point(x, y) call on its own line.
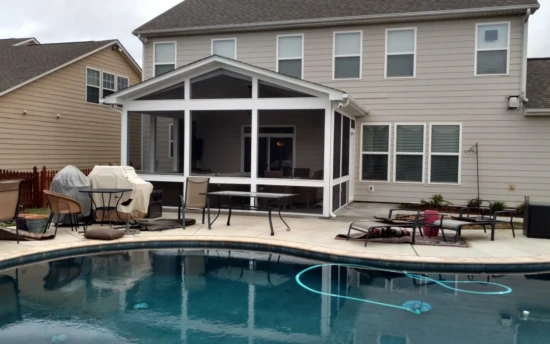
point(195, 69)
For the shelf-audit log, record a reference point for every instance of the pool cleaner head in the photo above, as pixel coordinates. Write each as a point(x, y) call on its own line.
point(417, 306)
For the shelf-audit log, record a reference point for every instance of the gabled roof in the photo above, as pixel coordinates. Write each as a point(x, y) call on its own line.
point(219, 15)
point(11, 42)
point(538, 83)
point(22, 64)
point(218, 62)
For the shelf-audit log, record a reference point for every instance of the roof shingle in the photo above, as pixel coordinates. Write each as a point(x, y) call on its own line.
point(538, 83)
point(21, 63)
point(208, 13)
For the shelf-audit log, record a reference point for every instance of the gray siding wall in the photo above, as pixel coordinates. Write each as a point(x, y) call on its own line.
point(513, 149)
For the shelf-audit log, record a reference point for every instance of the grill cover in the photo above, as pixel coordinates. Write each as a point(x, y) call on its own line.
point(69, 181)
point(122, 177)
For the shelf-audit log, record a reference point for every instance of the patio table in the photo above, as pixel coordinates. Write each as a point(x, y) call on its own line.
point(256, 195)
point(106, 208)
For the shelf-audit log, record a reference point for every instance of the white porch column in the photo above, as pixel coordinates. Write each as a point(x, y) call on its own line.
point(327, 174)
point(124, 138)
point(153, 143)
point(175, 138)
point(187, 143)
point(254, 142)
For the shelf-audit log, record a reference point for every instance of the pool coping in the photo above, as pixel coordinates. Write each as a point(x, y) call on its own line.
point(521, 264)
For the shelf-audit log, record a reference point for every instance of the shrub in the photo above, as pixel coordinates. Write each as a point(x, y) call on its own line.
point(520, 209)
point(474, 203)
point(498, 206)
point(437, 201)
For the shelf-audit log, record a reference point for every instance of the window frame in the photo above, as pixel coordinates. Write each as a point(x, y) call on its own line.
point(459, 154)
point(163, 64)
point(115, 85)
point(395, 153)
point(334, 33)
point(386, 54)
point(99, 87)
point(388, 153)
point(234, 39)
point(277, 59)
point(170, 141)
point(123, 77)
point(476, 50)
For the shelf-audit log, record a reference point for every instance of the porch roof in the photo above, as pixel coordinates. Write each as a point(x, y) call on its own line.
point(216, 62)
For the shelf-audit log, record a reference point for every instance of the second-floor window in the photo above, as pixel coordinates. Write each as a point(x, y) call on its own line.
point(290, 50)
point(226, 47)
point(400, 53)
point(347, 55)
point(122, 83)
point(492, 46)
point(93, 79)
point(108, 84)
point(165, 57)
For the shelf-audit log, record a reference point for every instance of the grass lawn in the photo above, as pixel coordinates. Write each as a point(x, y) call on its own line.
point(37, 211)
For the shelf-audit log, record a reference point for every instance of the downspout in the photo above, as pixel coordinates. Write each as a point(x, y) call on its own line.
point(523, 94)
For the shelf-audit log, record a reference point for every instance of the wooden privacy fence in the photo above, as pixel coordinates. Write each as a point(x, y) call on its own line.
point(32, 195)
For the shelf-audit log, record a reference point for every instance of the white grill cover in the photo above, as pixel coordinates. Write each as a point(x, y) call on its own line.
point(69, 181)
point(122, 177)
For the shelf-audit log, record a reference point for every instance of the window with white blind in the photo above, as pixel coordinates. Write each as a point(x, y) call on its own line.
point(375, 152)
point(492, 48)
point(108, 84)
point(226, 47)
point(400, 53)
point(409, 153)
point(93, 85)
point(445, 153)
point(290, 55)
point(348, 49)
point(165, 57)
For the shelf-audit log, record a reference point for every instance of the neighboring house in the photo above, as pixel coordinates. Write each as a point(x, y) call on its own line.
point(378, 101)
point(51, 110)
point(538, 91)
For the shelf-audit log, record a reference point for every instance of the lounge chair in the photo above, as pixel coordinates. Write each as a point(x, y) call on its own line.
point(63, 205)
point(457, 223)
point(194, 197)
point(10, 192)
point(386, 224)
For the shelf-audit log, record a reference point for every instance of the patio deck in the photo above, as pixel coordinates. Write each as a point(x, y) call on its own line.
point(315, 236)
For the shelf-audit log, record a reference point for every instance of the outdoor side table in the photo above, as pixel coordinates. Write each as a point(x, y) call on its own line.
point(106, 208)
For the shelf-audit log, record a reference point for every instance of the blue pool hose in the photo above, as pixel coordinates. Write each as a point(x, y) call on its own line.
point(416, 307)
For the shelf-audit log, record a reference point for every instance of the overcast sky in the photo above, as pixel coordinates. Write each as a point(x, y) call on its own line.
point(81, 20)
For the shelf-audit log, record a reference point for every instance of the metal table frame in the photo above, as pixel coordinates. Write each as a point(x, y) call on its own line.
point(244, 194)
point(104, 208)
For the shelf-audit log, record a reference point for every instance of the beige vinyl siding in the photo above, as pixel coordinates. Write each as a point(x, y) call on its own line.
point(84, 135)
point(513, 149)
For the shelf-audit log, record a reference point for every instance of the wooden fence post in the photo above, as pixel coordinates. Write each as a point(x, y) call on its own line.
point(42, 185)
point(36, 188)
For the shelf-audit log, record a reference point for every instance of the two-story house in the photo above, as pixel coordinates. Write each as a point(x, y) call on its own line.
point(362, 100)
point(51, 109)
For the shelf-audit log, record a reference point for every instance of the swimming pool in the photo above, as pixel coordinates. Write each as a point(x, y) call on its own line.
point(220, 296)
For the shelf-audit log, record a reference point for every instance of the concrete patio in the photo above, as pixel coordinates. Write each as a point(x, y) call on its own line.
point(317, 236)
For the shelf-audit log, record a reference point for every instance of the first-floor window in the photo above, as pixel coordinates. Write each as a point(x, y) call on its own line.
point(93, 78)
point(122, 83)
point(409, 153)
point(445, 153)
point(108, 84)
point(170, 140)
point(375, 149)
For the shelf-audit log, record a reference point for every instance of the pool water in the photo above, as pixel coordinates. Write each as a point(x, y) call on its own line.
point(219, 296)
